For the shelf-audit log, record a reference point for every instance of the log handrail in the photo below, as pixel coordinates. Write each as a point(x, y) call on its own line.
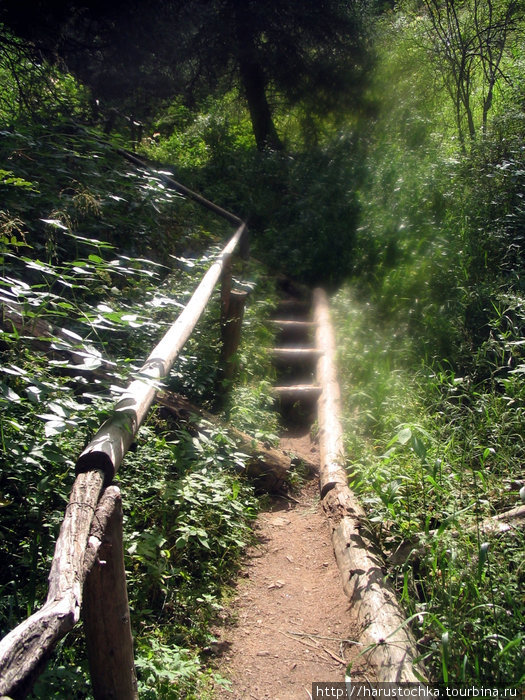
point(25, 650)
point(112, 441)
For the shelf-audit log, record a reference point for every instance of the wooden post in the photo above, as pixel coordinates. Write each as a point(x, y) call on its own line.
point(106, 610)
point(244, 245)
point(231, 332)
point(226, 288)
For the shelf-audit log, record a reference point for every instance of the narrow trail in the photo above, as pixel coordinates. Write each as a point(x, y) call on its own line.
point(290, 624)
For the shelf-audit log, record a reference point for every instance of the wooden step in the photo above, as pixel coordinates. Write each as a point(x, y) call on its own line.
point(298, 392)
point(293, 307)
point(293, 332)
point(294, 354)
point(287, 323)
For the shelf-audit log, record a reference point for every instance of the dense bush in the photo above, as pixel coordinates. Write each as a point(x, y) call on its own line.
point(301, 204)
point(76, 227)
point(432, 339)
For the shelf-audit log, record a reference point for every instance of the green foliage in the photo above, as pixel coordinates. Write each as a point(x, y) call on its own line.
point(187, 517)
point(186, 523)
point(432, 335)
point(434, 454)
point(301, 206)
point(470, 45)
point(34, 89)
point(166, 670)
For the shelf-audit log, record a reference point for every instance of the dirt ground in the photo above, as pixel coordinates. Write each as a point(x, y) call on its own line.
point(290, 623)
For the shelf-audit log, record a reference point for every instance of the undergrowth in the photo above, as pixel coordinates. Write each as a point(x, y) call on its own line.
point(434, 455)
point(431, 337)
point(97, 260)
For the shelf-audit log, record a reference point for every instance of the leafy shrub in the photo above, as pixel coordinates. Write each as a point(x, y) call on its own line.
point(431, 337)
point(433, 454)
point(187, 517)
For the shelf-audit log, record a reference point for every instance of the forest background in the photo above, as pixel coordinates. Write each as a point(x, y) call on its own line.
point(377, 149)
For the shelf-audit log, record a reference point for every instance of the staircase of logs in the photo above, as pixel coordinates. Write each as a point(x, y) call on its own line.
point(308, 390)
point(295, 357)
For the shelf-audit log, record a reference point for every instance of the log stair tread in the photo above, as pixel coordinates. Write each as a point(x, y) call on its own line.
point(301, 390)
point(295, 352)
point(289, 323)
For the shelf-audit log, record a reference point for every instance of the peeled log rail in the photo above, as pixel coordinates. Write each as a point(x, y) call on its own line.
point(329, 403)
point(24, 651)
point(112, 441)
point(388, 644)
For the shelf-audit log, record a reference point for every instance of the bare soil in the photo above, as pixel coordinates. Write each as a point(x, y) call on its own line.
point(290, 623)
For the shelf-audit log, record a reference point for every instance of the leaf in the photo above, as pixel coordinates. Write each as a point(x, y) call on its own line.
point(404, 436)
point(483, 553)
point(55, 222)
point(71, 334)
point(13, 369)
point(419, 446)
point(57, 409)
point(9, 394)
point(33, 393)
point(54, 427)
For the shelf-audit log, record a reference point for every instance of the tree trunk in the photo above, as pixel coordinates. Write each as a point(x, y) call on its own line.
point(254, 84)
point(253, 79)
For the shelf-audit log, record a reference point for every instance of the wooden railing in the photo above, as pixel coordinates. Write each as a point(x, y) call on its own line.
point(88, 563)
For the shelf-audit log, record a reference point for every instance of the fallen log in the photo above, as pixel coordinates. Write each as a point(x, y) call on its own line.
point(329, 402)
point(503, 522)
point(498, 524)
point(388, 643)
point(269, 465)
point(389, 646)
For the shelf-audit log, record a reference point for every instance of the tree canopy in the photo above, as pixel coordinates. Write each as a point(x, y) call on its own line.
point(137, 54)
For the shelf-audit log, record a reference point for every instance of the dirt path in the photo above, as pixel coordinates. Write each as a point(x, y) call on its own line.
point(291, 622)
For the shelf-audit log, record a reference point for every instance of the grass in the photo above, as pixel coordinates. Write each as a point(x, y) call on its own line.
point(432, 455)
